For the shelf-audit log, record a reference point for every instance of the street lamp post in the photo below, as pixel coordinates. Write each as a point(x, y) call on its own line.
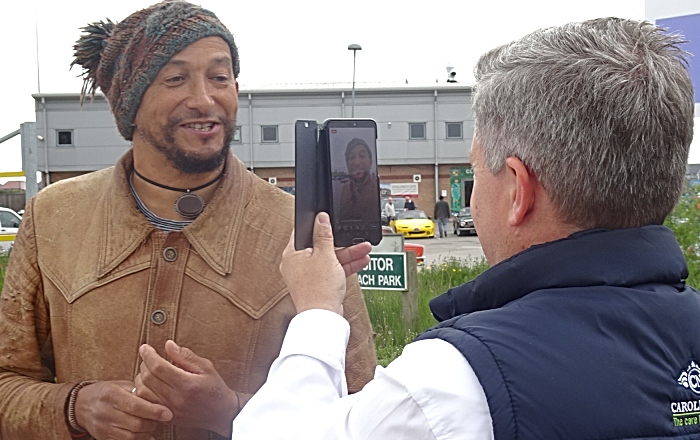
point(354, 48)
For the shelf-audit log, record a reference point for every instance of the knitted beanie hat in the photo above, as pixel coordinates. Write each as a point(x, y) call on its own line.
point(123, 59)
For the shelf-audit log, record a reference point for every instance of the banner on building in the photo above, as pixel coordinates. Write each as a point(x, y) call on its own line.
point(404, 189)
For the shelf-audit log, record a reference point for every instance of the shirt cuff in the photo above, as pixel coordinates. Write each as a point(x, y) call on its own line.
point(318, 333)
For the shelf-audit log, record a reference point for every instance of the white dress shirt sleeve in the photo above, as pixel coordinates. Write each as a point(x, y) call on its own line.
point(429, 392)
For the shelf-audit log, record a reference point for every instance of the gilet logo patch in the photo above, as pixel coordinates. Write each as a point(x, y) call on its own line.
point(690, 378)
point(687, 413)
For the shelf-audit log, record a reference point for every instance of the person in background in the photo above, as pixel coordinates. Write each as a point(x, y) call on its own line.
point(178, 247)
point(441, 213)
point(409, 205)
point(389, 209)
point(583, 327)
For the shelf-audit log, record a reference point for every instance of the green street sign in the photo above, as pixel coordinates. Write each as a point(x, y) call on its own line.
point(385, 271)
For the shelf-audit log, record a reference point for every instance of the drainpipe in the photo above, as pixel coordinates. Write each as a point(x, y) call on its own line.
point(250, 128)
point(435, 136)
point(46, 144)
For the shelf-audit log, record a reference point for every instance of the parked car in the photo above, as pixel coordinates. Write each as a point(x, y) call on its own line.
point(9, 223)
point(419, 249)
point(463, 223)
point(399, 202)
point(412, 224)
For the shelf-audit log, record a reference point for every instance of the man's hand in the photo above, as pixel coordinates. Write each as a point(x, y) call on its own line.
point(190, 387)
point(316, 277)
point(108, 410)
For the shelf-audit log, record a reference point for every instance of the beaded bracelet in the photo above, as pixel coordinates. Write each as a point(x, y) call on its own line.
point(75, 429)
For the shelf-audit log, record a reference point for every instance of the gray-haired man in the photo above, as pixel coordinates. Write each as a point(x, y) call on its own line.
point(583, 327)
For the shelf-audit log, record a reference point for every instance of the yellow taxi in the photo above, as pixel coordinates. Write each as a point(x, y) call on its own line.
point(413, 224)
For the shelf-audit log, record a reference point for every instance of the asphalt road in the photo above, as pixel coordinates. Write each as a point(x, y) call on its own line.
point(437, 249)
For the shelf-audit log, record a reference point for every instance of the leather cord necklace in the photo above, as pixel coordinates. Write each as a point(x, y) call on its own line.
point(188, 205)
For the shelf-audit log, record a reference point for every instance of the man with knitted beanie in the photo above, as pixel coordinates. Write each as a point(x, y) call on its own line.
point(175, 255)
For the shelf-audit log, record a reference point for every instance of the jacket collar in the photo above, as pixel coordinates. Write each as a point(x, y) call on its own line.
point(596, 257)
point(213, 235)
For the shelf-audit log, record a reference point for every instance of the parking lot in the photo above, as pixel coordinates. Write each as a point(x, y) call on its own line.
point(451, 246)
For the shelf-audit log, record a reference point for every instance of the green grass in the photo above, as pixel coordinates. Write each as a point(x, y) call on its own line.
point(384, 306)
point(3, 267)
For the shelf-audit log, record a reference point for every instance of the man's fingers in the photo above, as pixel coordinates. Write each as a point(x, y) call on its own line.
point(143, 409)
point(323, 234)
point(154, 368)
point(131, 404)
point(355, 266)
point(290, 245)
point(186, 359)
point(354, 258)
point(145, 392)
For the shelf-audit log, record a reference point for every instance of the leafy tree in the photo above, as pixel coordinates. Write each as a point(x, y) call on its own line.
point(684, 221)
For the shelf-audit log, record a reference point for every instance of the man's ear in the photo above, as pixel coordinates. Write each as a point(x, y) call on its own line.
point(523, 191)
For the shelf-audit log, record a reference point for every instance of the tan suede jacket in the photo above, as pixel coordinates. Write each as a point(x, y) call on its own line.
point(90, 280)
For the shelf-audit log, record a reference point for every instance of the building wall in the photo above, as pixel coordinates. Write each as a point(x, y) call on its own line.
point(96, 143)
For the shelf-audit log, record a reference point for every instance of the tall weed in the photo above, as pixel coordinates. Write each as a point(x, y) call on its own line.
point(384, 306)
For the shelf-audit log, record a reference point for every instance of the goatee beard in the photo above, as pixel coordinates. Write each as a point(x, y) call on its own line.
point(185, 162)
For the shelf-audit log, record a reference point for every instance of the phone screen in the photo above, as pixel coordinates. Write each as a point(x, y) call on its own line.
point(356, 211)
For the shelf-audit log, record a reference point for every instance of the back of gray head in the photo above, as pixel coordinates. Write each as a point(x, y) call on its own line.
point(600, 111)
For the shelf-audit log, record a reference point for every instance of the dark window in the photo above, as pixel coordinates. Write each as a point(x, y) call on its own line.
point(454, 130)
point(64, 138)
point(416, 131)
point(269, 133)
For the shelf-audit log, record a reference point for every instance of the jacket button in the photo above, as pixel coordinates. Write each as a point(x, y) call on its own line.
point(158, 317)
point(170, 254)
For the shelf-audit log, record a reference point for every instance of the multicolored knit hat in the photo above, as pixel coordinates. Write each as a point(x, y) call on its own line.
point(123, 59)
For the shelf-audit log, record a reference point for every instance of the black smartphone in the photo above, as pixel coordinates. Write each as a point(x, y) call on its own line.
point(307, 174)
point(355, 211)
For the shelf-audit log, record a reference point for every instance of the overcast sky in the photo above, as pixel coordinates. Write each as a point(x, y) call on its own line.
point(288, 41)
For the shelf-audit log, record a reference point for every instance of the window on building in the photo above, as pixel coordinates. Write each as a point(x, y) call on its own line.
point(416, 131)
point(269, 133)
point(454, 130)
point(237, 136)
point(64, 138)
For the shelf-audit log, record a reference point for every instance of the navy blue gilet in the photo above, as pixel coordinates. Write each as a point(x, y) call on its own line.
point(594, 336)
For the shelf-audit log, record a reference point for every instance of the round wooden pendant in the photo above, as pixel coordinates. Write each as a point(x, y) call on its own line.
point(189, 205)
